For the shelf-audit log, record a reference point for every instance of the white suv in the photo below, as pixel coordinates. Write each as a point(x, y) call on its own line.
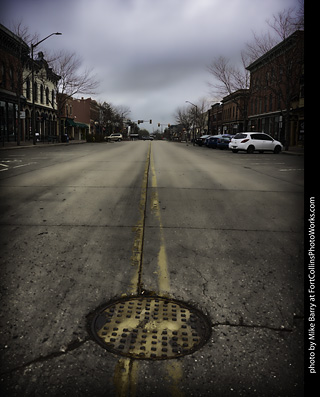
point(114, 137)
point(251, 141)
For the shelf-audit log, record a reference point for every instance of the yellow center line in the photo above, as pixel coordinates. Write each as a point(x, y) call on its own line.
point(126, 370)
point(137, 249)
point(163, 274)
point(174, 367)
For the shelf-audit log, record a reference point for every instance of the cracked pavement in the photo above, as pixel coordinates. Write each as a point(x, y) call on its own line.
point(231, 227)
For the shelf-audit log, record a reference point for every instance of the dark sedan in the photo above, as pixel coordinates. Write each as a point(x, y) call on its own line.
point(201, 141)
point(212, 142)
point(223, 143)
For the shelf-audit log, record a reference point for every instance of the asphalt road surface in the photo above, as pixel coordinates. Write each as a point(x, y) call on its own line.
point(83, 225)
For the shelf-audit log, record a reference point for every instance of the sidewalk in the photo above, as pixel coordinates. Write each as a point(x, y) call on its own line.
point(26, 144)
point(295, 150)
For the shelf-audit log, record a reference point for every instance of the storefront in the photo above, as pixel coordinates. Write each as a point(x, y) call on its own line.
point(9, 122)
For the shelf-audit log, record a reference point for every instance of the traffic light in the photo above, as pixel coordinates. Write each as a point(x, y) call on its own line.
point(158, 124)
point(169, 125)
point(150, 121)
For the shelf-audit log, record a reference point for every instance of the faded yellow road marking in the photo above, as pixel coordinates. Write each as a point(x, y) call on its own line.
point(125, 377)
point(163, 274)
point(175, 372)
point(137, 249)
point(173, 368)
point(126, 371)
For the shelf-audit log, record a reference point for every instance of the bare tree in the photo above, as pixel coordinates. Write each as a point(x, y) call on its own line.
point(23, 32)
point(282, 25)
point(184, 117)
point(202, 115)
point(73, 79)
point(229, 79)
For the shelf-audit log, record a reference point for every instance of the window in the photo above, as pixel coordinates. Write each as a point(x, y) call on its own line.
point(28, 88)
point(41, 93)
point(270, 103)
point(3, 75)
point(257, 137)
point(266, 137)
point(240, 136)
point(35, 91)
point(11, 74)
point(47, 96)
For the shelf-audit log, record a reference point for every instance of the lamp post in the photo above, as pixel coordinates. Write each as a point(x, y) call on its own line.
point(33, 46)
point(194, 138)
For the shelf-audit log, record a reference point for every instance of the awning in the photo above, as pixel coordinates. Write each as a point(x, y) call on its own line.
point(81, 125)
point(70, 123)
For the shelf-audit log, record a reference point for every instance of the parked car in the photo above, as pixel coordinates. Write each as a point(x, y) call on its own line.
point(252, 141)
point(212, 141)
point(201, 141)
point(223, 143)
point(114, 137)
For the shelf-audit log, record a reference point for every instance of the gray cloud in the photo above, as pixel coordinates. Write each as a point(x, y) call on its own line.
point(150, 55)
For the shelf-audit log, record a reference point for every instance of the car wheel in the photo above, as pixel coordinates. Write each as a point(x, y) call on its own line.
point(235, 151)
point(250, 149)
point(277, 149)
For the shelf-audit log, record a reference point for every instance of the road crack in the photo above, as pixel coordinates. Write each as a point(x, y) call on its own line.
point(73, 345)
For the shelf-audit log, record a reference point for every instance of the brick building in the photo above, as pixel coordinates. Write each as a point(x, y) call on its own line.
point(234, 112)
point(277, 91)
point(274, 103)
point(74, 116)
point(13, 54)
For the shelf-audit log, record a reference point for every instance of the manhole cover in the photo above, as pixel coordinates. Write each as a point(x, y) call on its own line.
point(150, 328)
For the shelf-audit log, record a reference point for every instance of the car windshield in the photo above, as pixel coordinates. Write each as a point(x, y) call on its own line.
point(240, 136)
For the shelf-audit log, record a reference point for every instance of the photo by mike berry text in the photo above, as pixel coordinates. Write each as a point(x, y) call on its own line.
point(311, 286)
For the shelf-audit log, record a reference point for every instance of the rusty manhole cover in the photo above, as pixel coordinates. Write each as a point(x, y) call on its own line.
point(150, 328)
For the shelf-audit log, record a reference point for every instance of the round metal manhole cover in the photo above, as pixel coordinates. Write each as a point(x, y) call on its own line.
point(150, 328)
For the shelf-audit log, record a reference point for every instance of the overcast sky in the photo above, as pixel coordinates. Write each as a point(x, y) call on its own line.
point(148, 55)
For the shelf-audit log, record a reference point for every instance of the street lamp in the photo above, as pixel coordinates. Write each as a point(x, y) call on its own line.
point(32, 82)
point(194, 138)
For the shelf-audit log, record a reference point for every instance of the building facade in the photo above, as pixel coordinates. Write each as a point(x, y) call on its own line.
point(13, 54)
point(27, 86)
point(75, 118)
point(274, 103)
point(44, 102)
point(277, 91)
point(235, 112)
